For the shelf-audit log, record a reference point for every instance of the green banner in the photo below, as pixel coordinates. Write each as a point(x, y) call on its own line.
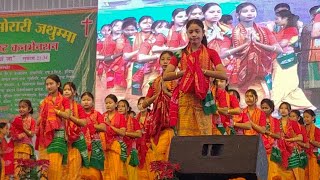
point(34, 45)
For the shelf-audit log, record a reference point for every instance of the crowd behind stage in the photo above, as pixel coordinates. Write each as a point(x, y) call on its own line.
point(281, 64)
point(190, 98)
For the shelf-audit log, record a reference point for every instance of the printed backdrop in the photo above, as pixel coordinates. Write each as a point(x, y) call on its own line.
point(36, 44)
point(121, 50)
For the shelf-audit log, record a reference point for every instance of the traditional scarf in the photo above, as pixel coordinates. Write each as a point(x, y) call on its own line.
point(182, 37)
point(193, 79)
point(59, 145)
point(72, 129)
point(314, 55)
point(115, 121)
point(49, 120)
point(89, 130)
point(142, 143)
point(159, 118)
point(221, 121)
point(310, 135)
point(130, 128)
point(216, 38)
point(269, 141)
point(131, 143)
point(137, 78)
point(217, 35)
point(7, 148)
point(240, 118)
point(174, 107)
point(286, 148)
point(112, 136)
point(139, 39)
point(314, 48)
point(139, 69)
point(138, 117)
point(81, 145)
point(254, 61)
point(16, 129)
point(255, 117)
point(223, 100)
point(116, 68)
point(97, 156)
point(134, 160)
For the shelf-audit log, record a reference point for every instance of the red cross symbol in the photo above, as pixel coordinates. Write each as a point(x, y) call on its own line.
point(86, 24)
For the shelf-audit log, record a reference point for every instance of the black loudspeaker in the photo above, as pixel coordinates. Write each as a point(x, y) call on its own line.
point(219, 157)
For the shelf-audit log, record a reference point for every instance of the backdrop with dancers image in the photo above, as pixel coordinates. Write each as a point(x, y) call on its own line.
point(132, 34)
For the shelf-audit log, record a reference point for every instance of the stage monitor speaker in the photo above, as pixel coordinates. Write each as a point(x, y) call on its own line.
point(220, 157)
